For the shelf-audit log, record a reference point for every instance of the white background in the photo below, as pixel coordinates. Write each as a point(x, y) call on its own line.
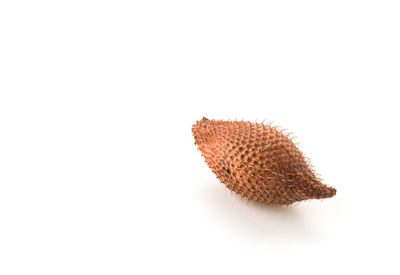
point(98, 169)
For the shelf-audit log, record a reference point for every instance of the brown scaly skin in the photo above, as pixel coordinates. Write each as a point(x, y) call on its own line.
point(258, 162)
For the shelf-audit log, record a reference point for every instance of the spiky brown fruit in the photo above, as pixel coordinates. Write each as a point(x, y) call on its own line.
point(258, 162)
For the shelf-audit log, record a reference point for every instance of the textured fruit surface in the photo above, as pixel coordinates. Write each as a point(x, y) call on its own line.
point(258, 162)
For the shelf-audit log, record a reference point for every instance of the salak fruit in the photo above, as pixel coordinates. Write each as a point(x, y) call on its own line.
point(258, 161)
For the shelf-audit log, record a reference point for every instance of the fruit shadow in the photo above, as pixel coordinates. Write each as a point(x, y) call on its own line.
point(255, 220)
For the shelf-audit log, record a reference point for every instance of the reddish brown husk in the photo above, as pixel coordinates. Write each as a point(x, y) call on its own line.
point(258, 162)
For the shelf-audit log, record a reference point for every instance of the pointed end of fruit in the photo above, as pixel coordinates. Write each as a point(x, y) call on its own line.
point(322, 191)
point(317, 190)
point(327, 192)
